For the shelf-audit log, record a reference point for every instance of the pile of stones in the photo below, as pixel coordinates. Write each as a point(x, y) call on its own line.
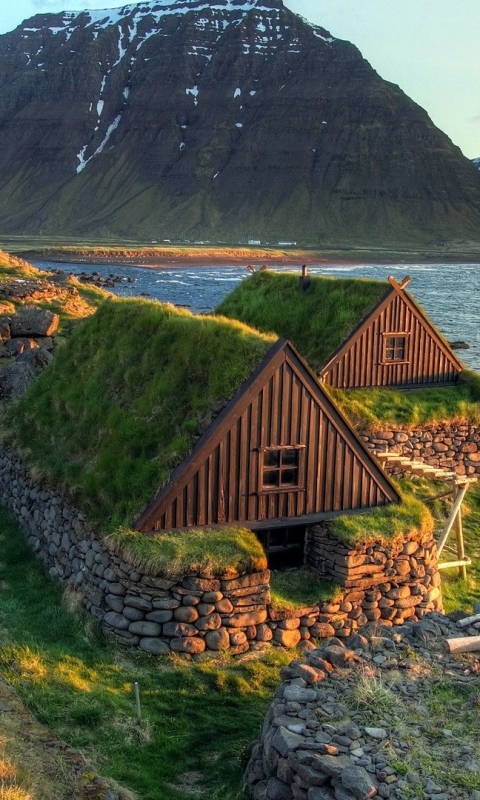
point(319, 742)
point(28, 337)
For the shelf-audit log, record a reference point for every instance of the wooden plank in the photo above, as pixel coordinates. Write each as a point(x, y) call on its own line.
point(449, 564)
point(253, 458)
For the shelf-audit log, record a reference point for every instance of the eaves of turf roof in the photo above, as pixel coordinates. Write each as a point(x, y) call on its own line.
point(317, 321)
point(126, 399)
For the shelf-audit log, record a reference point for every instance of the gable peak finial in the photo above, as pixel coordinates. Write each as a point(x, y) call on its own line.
point(404, 282)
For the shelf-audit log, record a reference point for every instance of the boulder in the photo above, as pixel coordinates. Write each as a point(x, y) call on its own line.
point(38, 358)
point(34, 321)
point(14, 380)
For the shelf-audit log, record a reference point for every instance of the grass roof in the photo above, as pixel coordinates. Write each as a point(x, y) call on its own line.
point(409, 519)
point(125, 400)
point(387, 406)
point(317, 320)
point(217, 552)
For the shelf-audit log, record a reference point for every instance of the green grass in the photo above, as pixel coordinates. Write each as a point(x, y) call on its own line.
point(208, 551)
point(197, 718)
point(298, 588)
point(316, 321)
point(387, 524)
point(125, 401)
point(374, 408)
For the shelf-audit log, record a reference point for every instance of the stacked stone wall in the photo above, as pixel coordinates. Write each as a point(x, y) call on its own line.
point(199, 613)
point(450, 446)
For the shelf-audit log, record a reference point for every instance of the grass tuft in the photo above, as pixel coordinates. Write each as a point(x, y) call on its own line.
point(377, 408)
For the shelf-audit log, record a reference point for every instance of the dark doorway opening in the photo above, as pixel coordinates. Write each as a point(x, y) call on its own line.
point(285, 547)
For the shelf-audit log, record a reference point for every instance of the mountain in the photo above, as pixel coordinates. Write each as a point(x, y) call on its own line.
point(221, 120)
point(476, 162)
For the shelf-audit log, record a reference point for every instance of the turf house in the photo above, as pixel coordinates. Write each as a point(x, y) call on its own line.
point(354, 333)
point(185, 458)
point(170, 421)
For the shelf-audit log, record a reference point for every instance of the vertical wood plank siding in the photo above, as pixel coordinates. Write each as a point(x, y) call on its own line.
point(225, 487)
point(361, 363)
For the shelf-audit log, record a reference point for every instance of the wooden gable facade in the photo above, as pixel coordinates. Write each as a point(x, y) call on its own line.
point(395, 345)
point(279, 453)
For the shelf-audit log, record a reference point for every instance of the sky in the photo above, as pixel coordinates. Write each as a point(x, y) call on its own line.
point(430, 48)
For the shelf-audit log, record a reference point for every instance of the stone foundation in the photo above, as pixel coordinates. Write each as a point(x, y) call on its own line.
point(201, 613)
point(448, 446)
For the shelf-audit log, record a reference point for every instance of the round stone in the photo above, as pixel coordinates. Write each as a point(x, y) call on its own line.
point(218, 640)
point(154, 646)
point(144, 628)
point(185, 614)
point(288, 639)
point(159, 616)
point(190, 644)
point(116, 620)
point(210, 623)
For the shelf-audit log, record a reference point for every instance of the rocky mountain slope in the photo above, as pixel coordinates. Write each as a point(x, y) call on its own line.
point(221, 121)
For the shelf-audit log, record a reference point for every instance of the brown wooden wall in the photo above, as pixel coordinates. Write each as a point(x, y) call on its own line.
point(285, 411)
point(359, 363)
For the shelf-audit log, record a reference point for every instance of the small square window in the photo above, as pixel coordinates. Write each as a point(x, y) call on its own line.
point(280, 467)
point(395, 348)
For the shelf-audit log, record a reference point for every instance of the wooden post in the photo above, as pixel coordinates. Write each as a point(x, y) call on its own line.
point(137, 701)
point(453, 513)
point(462, 569)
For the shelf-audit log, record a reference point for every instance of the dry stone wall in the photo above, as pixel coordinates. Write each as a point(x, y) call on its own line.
point(448, 446)
point(328, 737)
point(200, 613)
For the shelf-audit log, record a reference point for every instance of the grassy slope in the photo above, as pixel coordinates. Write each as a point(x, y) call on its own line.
point(391, 523)
point(316, 321)
point(126, 400)
point(214, 552)
point(197, 718)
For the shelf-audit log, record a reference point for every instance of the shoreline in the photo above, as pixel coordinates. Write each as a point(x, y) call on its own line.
point(256, 260)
